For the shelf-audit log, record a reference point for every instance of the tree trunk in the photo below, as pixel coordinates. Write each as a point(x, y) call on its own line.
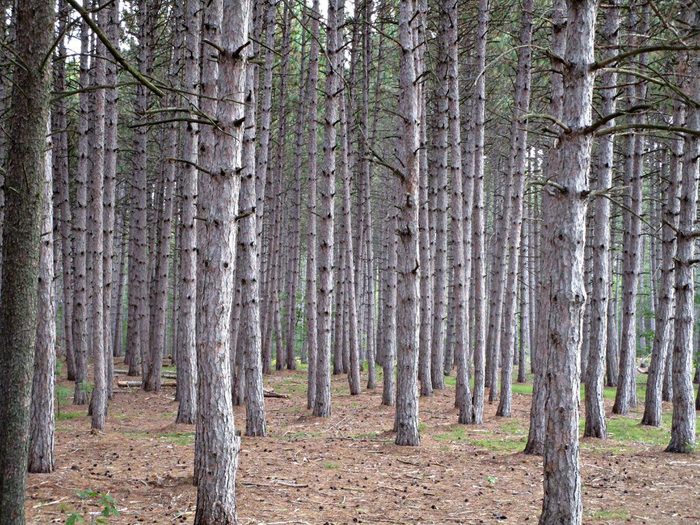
point(20, 252)
point(389, 313)
point(408, 265)
point(600, 247)
point(248, 271)
point(322, 406)
point(683, 422)
point(564, 213)
point(518, 158)
point(479, 233)
point(43, 424)
point(536, 433)
point(311, 248)
point(79, 231)
point(217, 444)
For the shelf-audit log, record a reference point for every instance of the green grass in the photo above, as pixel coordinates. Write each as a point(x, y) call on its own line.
point(66, 416)
point(457, 433)
point(330, 465)
point(64, 395)
point(613, 514)
point(178, 438)
point(299, 436)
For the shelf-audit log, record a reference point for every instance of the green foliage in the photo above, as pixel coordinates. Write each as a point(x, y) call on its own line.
point(66, 416)
point(64, 395)
point(612, 514)
point(106, 501)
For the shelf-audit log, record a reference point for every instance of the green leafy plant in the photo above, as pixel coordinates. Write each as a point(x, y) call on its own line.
point(106, 501)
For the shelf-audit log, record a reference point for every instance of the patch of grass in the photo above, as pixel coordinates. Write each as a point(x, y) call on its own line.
point(64, 395)
point(422, 427)
point(522, 388)
point(504, 445)
point(66, 416)
point(456, 434)
point(331, 465)
point(613, 514)
point(513, 427)
point(629, 429)
point(178, 438)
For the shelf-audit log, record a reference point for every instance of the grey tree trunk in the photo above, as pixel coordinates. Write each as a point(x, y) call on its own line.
point(600, 246)
point(683, 422)
point(137, 335)
point(564, 212)
point(79, 328)
point(61, 186)
point(43, 424)
point(248, 271)
point(186, 351)
point(111, 150)
point(311, 248)
point(517, 169)
point(479, 226)
point(536, 433)
point(408, 265)
point(26, 147)
point(389, 313)
point(98, 403)
point(322, 405)
point(218, 446)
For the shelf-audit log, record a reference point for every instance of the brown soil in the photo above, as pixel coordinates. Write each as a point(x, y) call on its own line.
point(346, 469)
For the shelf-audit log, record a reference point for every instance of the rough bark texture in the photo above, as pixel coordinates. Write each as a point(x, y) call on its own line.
point(683, 422)
point(517, 169)
point(408, 266)
point(186, 350)
point(219, 190)
point(20, 250)
point(600, 248)
point(311, 247)
point(326, 214)
point(479, 253)
point(43, 423)
point(563, 249)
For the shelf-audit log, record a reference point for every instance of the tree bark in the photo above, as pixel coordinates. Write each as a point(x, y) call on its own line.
point(227, 24)
point(20, 250)
point(43, 424)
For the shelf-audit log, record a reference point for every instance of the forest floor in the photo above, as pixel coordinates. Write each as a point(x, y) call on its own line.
point(346, 469)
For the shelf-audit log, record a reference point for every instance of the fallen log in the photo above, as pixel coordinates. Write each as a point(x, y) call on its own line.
point(272, 393)
point(134, 384)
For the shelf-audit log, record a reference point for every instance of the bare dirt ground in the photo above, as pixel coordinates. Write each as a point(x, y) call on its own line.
point(346, 469)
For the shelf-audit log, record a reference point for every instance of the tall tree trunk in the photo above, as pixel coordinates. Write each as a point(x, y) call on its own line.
point(479, 233)
point(536, 433)
point(408, 265)
point(218, 446)
point(311, 247)
point(389, 312)
point(248, 271)
point(600, 246)
point(322, 405)
point(683, 422)
point(20, 251)
point(664, 313)
point(98, 403)
point(43, 424)
point(111, 150)
point(79, 231)
point(564, 212)
point(186, 352)
point(517, 169)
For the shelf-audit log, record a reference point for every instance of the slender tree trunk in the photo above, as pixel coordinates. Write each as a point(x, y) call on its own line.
point(479, 233)
point(389, 313)
point(683, 422)
point(98, 403)
point(186, 352)
point(311, 248)
point(43, 424)
point(600, 247)
point(20, 252)
point(564, 213)
point(322, 405)
point(536, 433)
point(248, 272)
point(79, 232)
point(408, 266)
point(517, 169)
point(218, 446)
